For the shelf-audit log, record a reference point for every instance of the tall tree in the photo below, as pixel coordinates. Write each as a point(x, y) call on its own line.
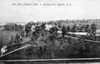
point(64, 31)
point(28, 27)
point(93, 31)
point(93, 28)
point(87, 28)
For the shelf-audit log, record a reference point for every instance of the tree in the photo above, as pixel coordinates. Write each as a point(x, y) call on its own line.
point(17, 38)
point(93, 31)
point(74, 28)
point(38, 29)
point(59, 25)
point(10, 26)
point(43, 26)
point(53, 30)
point(64, 31)
point(87, 28)
point(13, 26)
point(93, 28)
point(68, 28)
point(28, 27)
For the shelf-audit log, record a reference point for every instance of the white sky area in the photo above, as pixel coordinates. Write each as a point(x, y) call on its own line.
point(80, 9)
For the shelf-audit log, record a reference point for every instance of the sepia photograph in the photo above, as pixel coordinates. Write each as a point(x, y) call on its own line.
point(49, 31)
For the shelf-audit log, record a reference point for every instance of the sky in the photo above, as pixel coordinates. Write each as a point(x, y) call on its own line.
point(10, 11)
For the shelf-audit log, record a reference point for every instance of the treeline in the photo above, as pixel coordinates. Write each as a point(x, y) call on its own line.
point(75, 26)
point(13, 26)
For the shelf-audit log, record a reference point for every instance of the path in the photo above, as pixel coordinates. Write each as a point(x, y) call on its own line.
point(25, 46)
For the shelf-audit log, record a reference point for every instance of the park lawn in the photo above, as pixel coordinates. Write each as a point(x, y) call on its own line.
point(5, 36)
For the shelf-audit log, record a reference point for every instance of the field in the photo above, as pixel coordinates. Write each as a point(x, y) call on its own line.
point(5, 37)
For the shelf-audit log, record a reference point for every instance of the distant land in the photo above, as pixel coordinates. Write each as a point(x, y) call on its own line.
point(22, 23)
point(80, 21)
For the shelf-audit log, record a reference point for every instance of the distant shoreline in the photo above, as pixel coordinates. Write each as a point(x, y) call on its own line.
point(64, 21)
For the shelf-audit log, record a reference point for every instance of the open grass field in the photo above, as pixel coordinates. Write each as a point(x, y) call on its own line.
point(5, 37)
